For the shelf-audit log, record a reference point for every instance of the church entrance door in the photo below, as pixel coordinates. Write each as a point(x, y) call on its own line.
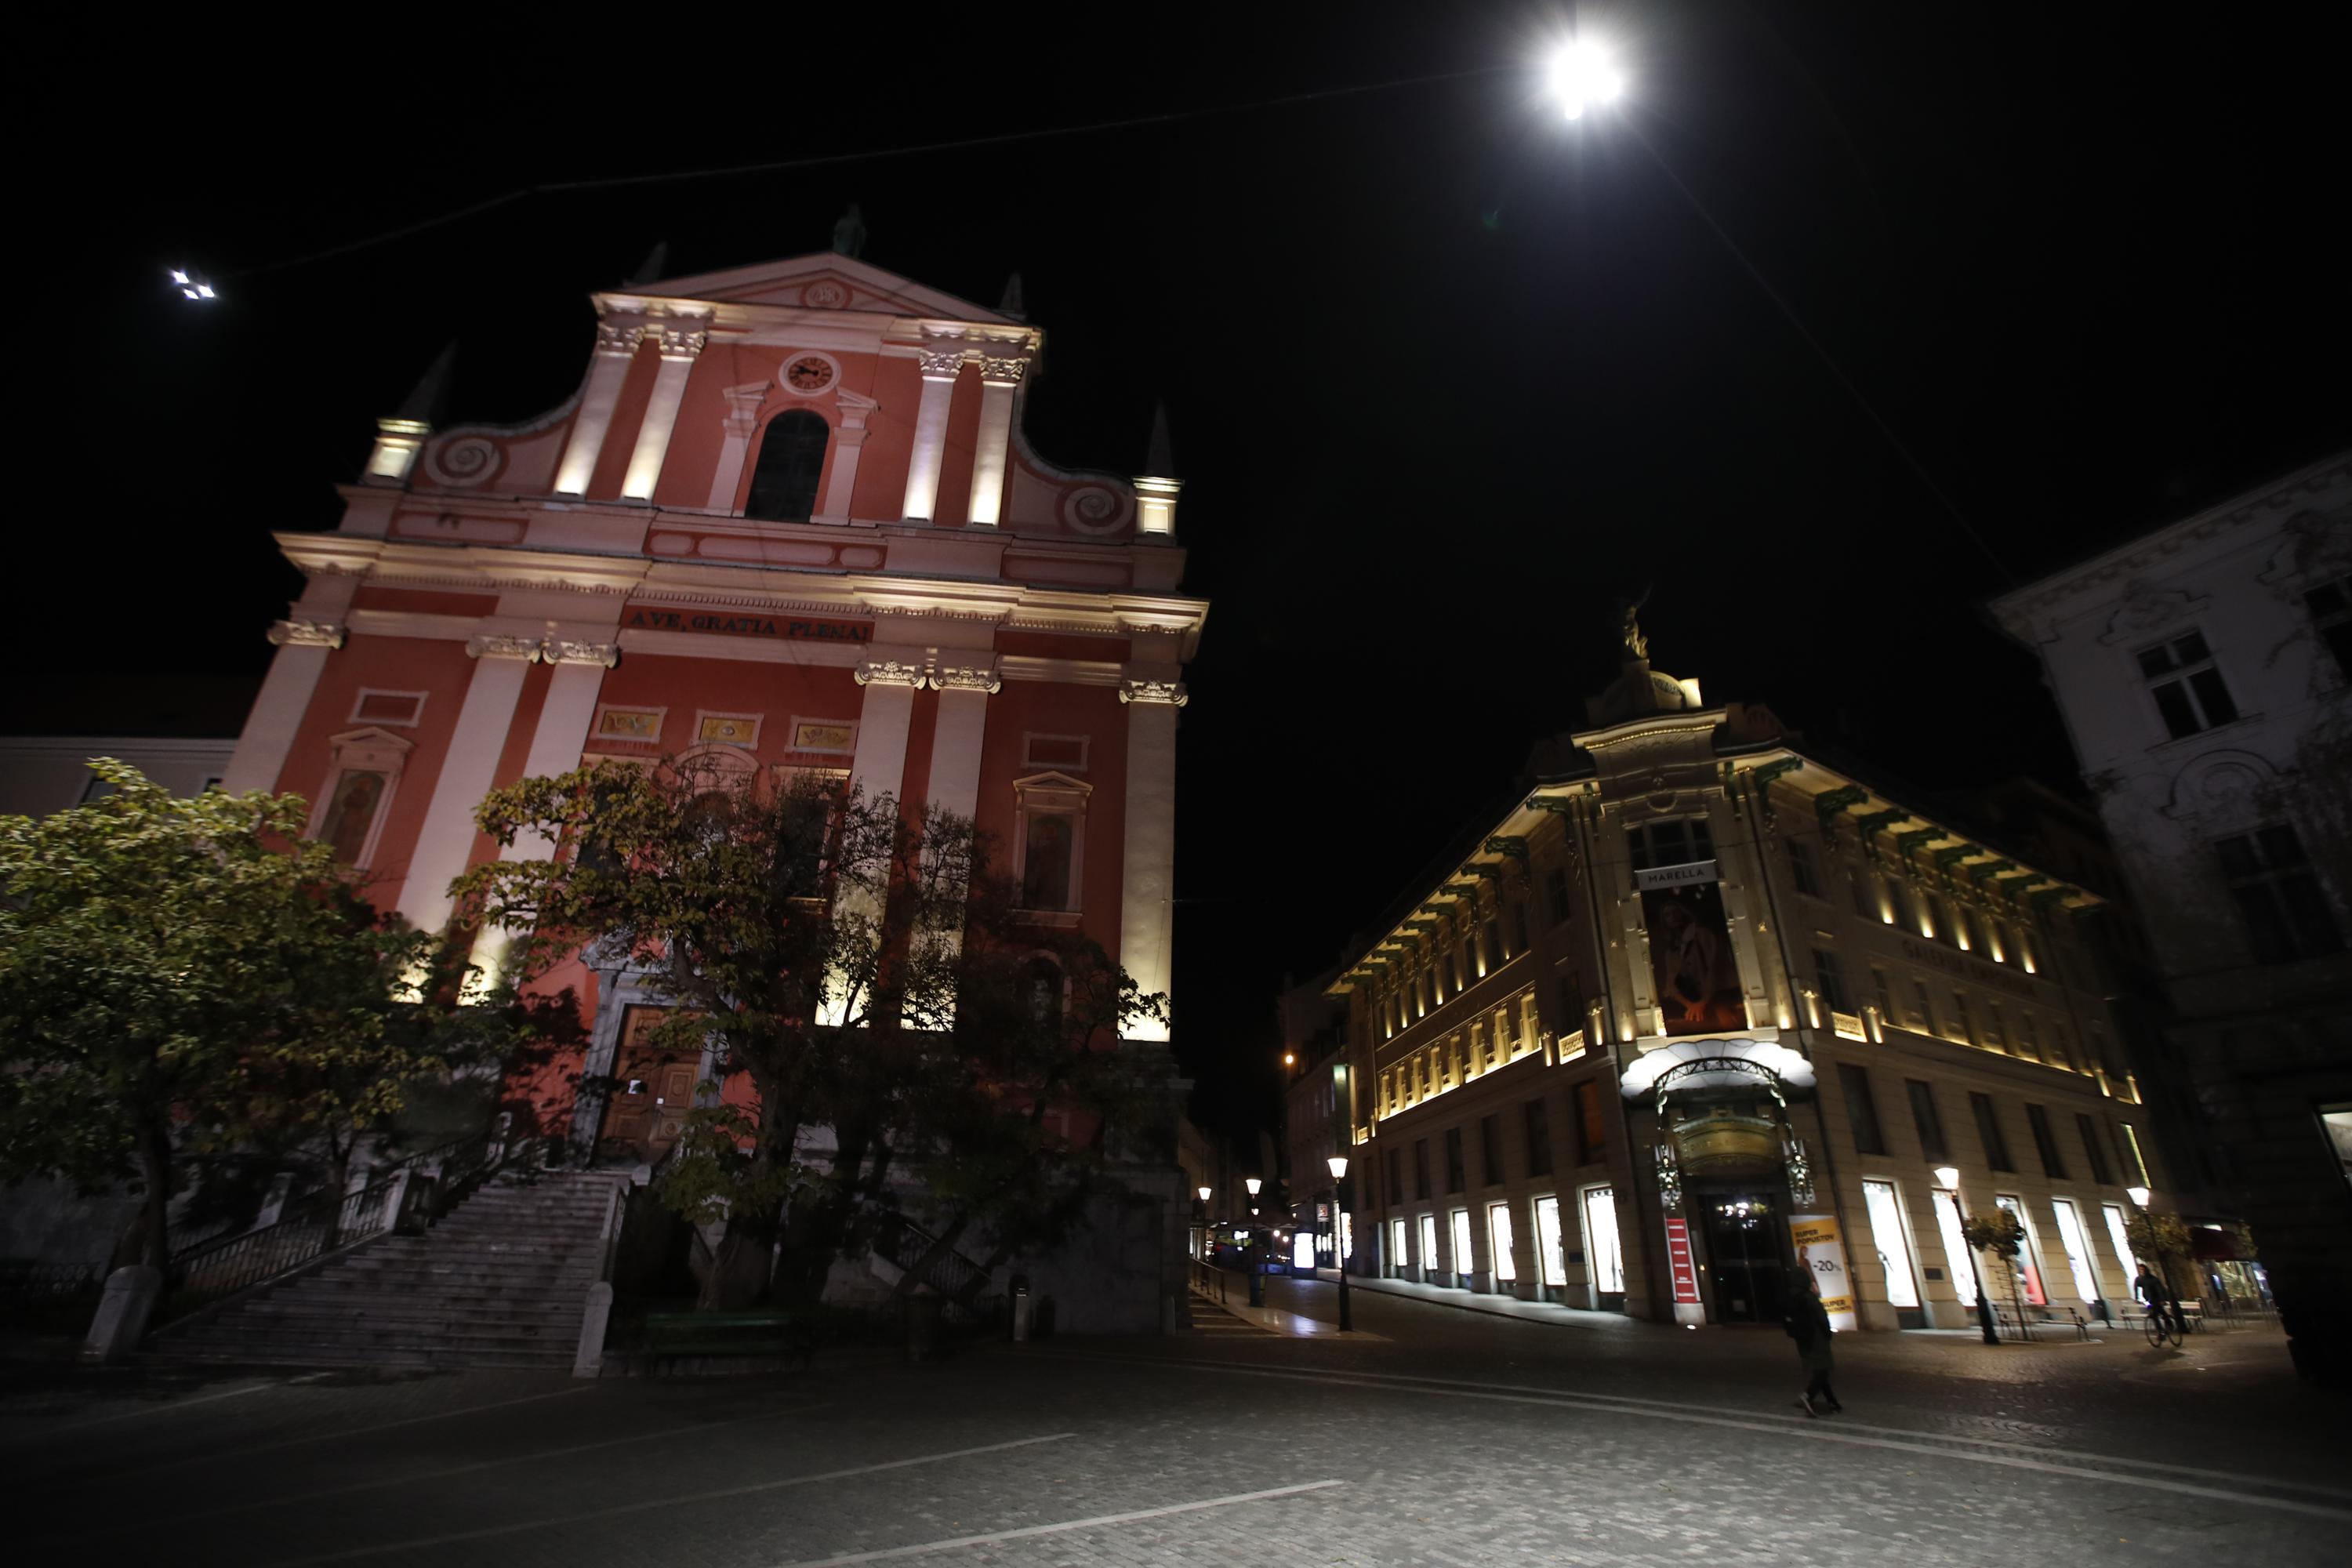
point(653, 1090)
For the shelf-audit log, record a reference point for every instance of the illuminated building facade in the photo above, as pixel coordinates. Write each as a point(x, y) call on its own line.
point(2205, 673)
point(1699, 1010)
point(788, 524)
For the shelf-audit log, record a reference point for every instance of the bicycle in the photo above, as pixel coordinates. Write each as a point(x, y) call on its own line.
point(2161, 1325)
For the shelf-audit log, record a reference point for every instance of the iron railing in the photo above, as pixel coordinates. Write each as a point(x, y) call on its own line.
point(411, 1195)
point(907, 1245)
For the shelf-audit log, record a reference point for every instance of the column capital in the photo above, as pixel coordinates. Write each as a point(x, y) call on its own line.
point(981, 677)
point(488, 645)
point(889, 672)
point(619, 334)
point(556, 650)
point(309, 634)
point(683, 341)
point(1170, 692)
point(1002, 371)
point(940, 364)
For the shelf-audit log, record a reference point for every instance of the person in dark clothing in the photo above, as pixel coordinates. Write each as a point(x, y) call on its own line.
point(2155, 1295)
point(1809, 1325)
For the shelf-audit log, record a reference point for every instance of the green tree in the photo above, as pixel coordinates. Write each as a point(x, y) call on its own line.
point(861, 970)
point(192, 972)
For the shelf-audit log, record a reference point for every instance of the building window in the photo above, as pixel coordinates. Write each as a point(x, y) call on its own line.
point(1420, 1167)
point(1396, 1182)
point(1428, 1244)
point(1996, 1147)
point(351, 812)
point(1551, 1266)
point(1857, 884)
point(1461, 1257)
point(1490, 1145)
point(1930, 1123)
point(1049, 840)
point(2028, 1038)
point(1604, 1253)
point(365, 767)
point(1680, 841)
point(2286, 912)
point(791, 456)
point(1571, 1007)
point(2129, 1142)
point(1995, 1027)
point(1927, 1009)
point(1968, 1026)
point(1516, 914)
point(1592, 1128)
point(2187, 689)
point(1862, 1110)
point(1498, 1240)
point(2045, 1144)
point(2089, 1131)
point(1538, 1139)
point(1939, 915)
point(2330, 605)
point(1556, 891)
point(1453, 1159)
point(1831, 980)
point(1886, 1013)
point(1803, 869)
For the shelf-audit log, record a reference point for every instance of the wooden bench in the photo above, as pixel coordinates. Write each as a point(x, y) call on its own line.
point(761, 1332)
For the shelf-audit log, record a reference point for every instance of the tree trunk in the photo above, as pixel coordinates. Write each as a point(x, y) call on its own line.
point(155, 1167)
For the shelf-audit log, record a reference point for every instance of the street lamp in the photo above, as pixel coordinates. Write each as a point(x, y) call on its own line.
point(1338, 1163)
point(1583, 75)
point(1949, 1175)
point(2140, 1196)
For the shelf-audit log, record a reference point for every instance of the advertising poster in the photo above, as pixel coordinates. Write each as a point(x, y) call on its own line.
point(1678, 1262)
point(1822, 1254)
point(1692, 969)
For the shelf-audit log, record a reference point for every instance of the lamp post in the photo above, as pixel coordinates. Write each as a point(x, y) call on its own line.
point(1256, 1264)
point(1949, 1175)
point(1338, 1163)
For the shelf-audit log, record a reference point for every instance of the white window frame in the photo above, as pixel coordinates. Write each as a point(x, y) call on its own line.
point(368, 751)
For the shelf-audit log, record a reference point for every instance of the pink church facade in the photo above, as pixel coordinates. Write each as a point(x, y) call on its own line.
point(789, 522)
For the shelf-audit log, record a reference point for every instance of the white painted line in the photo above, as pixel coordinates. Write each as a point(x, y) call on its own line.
point(991, 1539)
point(133, 1414)
point(1746, 1423)
point(665, 1436)
point(356, 1431)
point(645, 1504)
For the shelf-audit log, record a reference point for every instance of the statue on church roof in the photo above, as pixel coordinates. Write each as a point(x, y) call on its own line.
point(1630, 610)
point(850, 234)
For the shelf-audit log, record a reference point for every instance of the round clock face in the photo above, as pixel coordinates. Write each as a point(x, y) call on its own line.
point(810, 374)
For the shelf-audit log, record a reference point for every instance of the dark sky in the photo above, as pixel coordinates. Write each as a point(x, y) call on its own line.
point(1446, 373)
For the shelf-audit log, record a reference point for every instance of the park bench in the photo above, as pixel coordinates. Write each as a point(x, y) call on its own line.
point(761, 1331)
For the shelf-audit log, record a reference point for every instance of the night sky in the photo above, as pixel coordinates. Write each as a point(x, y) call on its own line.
point(1446, 373)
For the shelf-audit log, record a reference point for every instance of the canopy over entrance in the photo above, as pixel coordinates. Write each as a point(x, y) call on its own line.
point(1717, 1063)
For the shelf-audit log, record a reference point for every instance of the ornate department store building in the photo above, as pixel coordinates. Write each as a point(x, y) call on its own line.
point(1702, 1015)
point(789, 523)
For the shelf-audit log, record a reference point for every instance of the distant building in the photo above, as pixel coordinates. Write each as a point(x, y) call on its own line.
point(2205, 673)
point(42, 773)
point(1698, 1015)
point(1313, 1026)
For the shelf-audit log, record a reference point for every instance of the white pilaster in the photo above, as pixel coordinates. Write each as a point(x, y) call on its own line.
point(742, 419)
point(848, 442)
point(999, 380)
point(680, 345)
point(285, 695)
point(964, 691)
point(939, 371)
point(616, 345)
point(878, 768)
point(446, 838)
point(1148, 857)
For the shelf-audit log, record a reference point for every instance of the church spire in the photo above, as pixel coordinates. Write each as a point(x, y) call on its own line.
point(1010, 305)
point(1156, 486)
point(651, 271)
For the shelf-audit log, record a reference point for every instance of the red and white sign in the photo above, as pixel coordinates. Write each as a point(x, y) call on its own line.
point(1678, 1262)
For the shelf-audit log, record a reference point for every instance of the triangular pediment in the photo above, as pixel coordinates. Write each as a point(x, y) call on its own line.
point(825, 281)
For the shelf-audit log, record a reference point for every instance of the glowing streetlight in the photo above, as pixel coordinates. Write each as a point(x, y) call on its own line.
point(1949, 1177)
point(1338, 1163)
point(1583, 75)
point(193, 285)
point(1289, 1059)
point(1253, 1184)
point(1204, 1193)
point(2138, 1195)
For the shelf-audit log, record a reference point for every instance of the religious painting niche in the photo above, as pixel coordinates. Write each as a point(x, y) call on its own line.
point(1045, 870)
point(1049, 844)
point(1691, 966)
point(352, 813)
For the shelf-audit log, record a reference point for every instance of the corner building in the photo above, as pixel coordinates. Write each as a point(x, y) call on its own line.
point(789, 523)
point(1700, 1013)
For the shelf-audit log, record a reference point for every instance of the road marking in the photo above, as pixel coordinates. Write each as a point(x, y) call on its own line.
point(357, 1431)
point(130, 1415)
point(676, 1432)
point(648, 1503)
point(1926, 1444)
point(994, 1536)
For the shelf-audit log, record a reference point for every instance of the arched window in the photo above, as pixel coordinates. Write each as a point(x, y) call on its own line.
point(792, 455)
point(1042, 986)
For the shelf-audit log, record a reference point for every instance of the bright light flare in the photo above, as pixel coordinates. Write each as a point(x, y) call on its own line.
point(1583, 75)
point(191, 284)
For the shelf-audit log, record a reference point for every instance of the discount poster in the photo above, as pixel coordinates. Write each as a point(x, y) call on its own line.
point(1820, 1256)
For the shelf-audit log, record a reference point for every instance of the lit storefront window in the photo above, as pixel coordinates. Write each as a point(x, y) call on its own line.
point(2118, 1239)
point(1428, 1258)
point(1894, 1248)
point(2028, 1270)
point(1605, 1259)
point(1550, 1263)
point(1462, 1254)
point(1499, 1237)
point(2078, 1250)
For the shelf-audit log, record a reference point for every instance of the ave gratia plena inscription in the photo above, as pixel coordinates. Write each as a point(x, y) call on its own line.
point(739, 623)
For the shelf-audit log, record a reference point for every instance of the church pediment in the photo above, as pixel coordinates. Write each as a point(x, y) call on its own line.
point(825, 281)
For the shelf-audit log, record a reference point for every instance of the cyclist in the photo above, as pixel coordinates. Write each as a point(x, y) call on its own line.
point(2156, 1297)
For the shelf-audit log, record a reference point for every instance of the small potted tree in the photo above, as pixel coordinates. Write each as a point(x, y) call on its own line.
point(1999, 1234)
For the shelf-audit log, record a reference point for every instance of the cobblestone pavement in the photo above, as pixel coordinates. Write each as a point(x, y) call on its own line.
point(1458, 1438)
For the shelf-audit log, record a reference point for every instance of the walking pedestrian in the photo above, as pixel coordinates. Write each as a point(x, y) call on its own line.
point(1809, 1325)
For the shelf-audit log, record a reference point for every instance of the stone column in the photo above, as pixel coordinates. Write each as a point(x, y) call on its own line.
point(1148, 857)
point(284, 696)
point(848, 442)
point(878, 768)
point(555, 747)
point(742, 419)
point(446, 838)
point(964, 691)
point(616, 345)
point(681, 343)
point(940, 371)
point(999, 380)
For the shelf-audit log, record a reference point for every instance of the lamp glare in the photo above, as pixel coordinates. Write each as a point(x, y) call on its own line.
point(1949, 1176)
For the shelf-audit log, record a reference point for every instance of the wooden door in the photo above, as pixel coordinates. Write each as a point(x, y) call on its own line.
point(653, 1090)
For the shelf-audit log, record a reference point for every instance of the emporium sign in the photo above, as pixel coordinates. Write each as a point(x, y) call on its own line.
point(744, 623)
point(1967, 968)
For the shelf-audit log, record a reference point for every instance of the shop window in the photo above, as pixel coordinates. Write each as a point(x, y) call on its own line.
point(2045, 1143)
point(1885, 1207)
point(1454, 1177)
point(1933, 1146)
point(1049, 841)
point(792, 458)
point(364, 766)
point(1604, 1255)
point(2188, 690)
point(1428, 1244)
point(1677, 841)
point(1996, 1147)
point(1538, 1139)
point(1498, 1242)
point(1804, 868)
point(2278, 895)
point(1460, 1256)
point(1551, 1264)
point(2330, 607)
point(1862, 1110)
point(1490, 1146)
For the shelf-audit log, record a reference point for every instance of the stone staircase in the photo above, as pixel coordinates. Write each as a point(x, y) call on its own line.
point(501, 1283)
